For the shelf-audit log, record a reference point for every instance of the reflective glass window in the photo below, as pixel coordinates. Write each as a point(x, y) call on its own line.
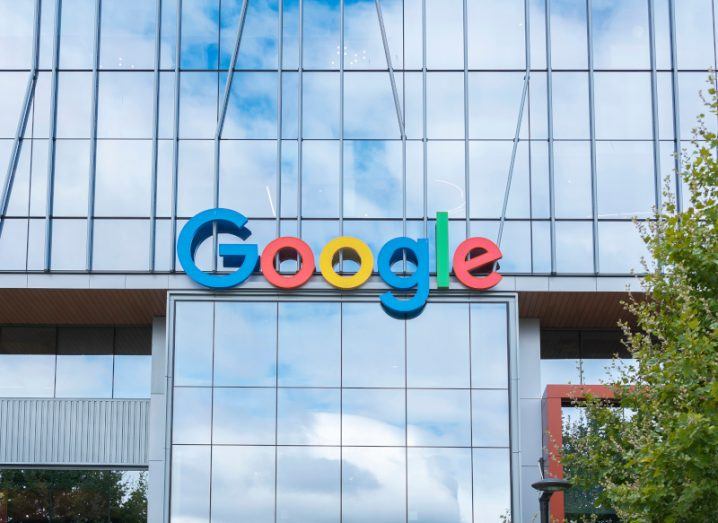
point(13, 245)
point(489, 345)
point(385, 470)
point(73, 104)
point(568, 35)
point(133, 362)
point(68, 245)
point(572, 179)
point(245, 344)
point(72, 166)
point(127, 35)
point(243, 484)
point(308, 417)
point(247, 177)
point(623, 105)
point(372, 179)
point(445, 105)
point(320, 179)
point(123, 177)
point(252, 106)
point(690, 85)
point(620, 34)
point(290, 105)
point(198, 104)
point(84, 352)
point(321, 23)
point(574, 247)
point(494, 103)
point(490, 418)
point(496, 37)
point(14, 85)
point(620, 248)
point(492, 480)
point(369, 93)
point(446, 178)
point(195, 177)
point(362, 37)
point(320, 100)
point(438, 347)
point(309, 351)
point(77, 34)
point(372, 357)
point(125, 105)
point(438, 418)
point(570, 106)
point(190, 482)
point(373, 417)
point(695, 45)
point(444, 34)
point(439, 483)
point(258, 48)
point(27, 362)
point(200, 34)
point(244, 416)
point(304, 470)
point(121, 245)
point(16, 28)
point(193, 343)
point(625, 178)
point(192, 415)
point(560, 363)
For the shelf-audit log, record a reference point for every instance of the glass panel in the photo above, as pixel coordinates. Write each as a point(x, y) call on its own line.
point(439, 418)
point(372, 357)
point(16, 28)
point(74, 92)
point(244, 416)
point(198, 105)
point(258, 48)
point(127, 36)
point(376, 472)
point(625, 178)
point(439, 485)
point(308, 417)
point(133, 362)
point(491, 418)
point(445, 105)
point(623, 105)
point(492, 485)
point(69, 245)
point(320, 99)
point(690, 85)
point(369, 93)
point(620, 248)
point(123, 178)
point(489, 345)
point(195, 186)
point(320, 179)
point(309, 349)
point(321, 22)
point(245, 344)
point(569, 49)
point(446, 178)
point(444, 34)
point(362, 37)
point(572, 179)
point(560, 362)
point(193, 343)
point(496, 37)
point(373, 417)
point(494, 103)
point(290, 178)
point(243, 484)
point(13, 245)
point(372, 179)
point(77, 34)
point(190, 483)
point(574, 247)
point(96, 370)
point(27, 362)
point(695, 43)
point(200, 34)
point(125, 105)
point(570, 106)
point(121, 245)
point(252, 106)
point(192, 415)
point(14, 84)
point(72, 165)
point(247, 177)
point(620, 34)
point(308, 485)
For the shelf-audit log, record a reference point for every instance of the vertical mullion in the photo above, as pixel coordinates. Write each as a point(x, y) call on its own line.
point(51, 137)
point(549, 121)
point(341, 126)
point(467, 173)
point(676, 106)
point(93, 137)
point(280, 66)
point(527, 58)
point(654, 106)
point(175, 137)
point(592, 130)
point(300, 115)
point(155, 131)
point(425, 145)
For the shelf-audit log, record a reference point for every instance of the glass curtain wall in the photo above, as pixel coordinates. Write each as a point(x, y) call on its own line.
point(346, 117)
point(328, 411)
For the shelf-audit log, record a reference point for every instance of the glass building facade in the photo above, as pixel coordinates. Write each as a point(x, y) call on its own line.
point(343, 117)
point(547, 126)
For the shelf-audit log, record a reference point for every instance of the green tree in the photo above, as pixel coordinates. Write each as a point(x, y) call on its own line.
point(656, 458)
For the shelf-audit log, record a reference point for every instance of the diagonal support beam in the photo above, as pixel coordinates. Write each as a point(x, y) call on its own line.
point(507, 191)
point(387, 53)
point(22, 122)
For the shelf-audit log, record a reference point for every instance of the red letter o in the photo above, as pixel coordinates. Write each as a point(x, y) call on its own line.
point(284, 246)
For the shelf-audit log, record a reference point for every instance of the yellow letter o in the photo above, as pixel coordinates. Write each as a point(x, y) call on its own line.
point(355, 250)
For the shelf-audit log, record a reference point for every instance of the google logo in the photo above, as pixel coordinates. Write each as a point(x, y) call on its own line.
point(473, 261)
